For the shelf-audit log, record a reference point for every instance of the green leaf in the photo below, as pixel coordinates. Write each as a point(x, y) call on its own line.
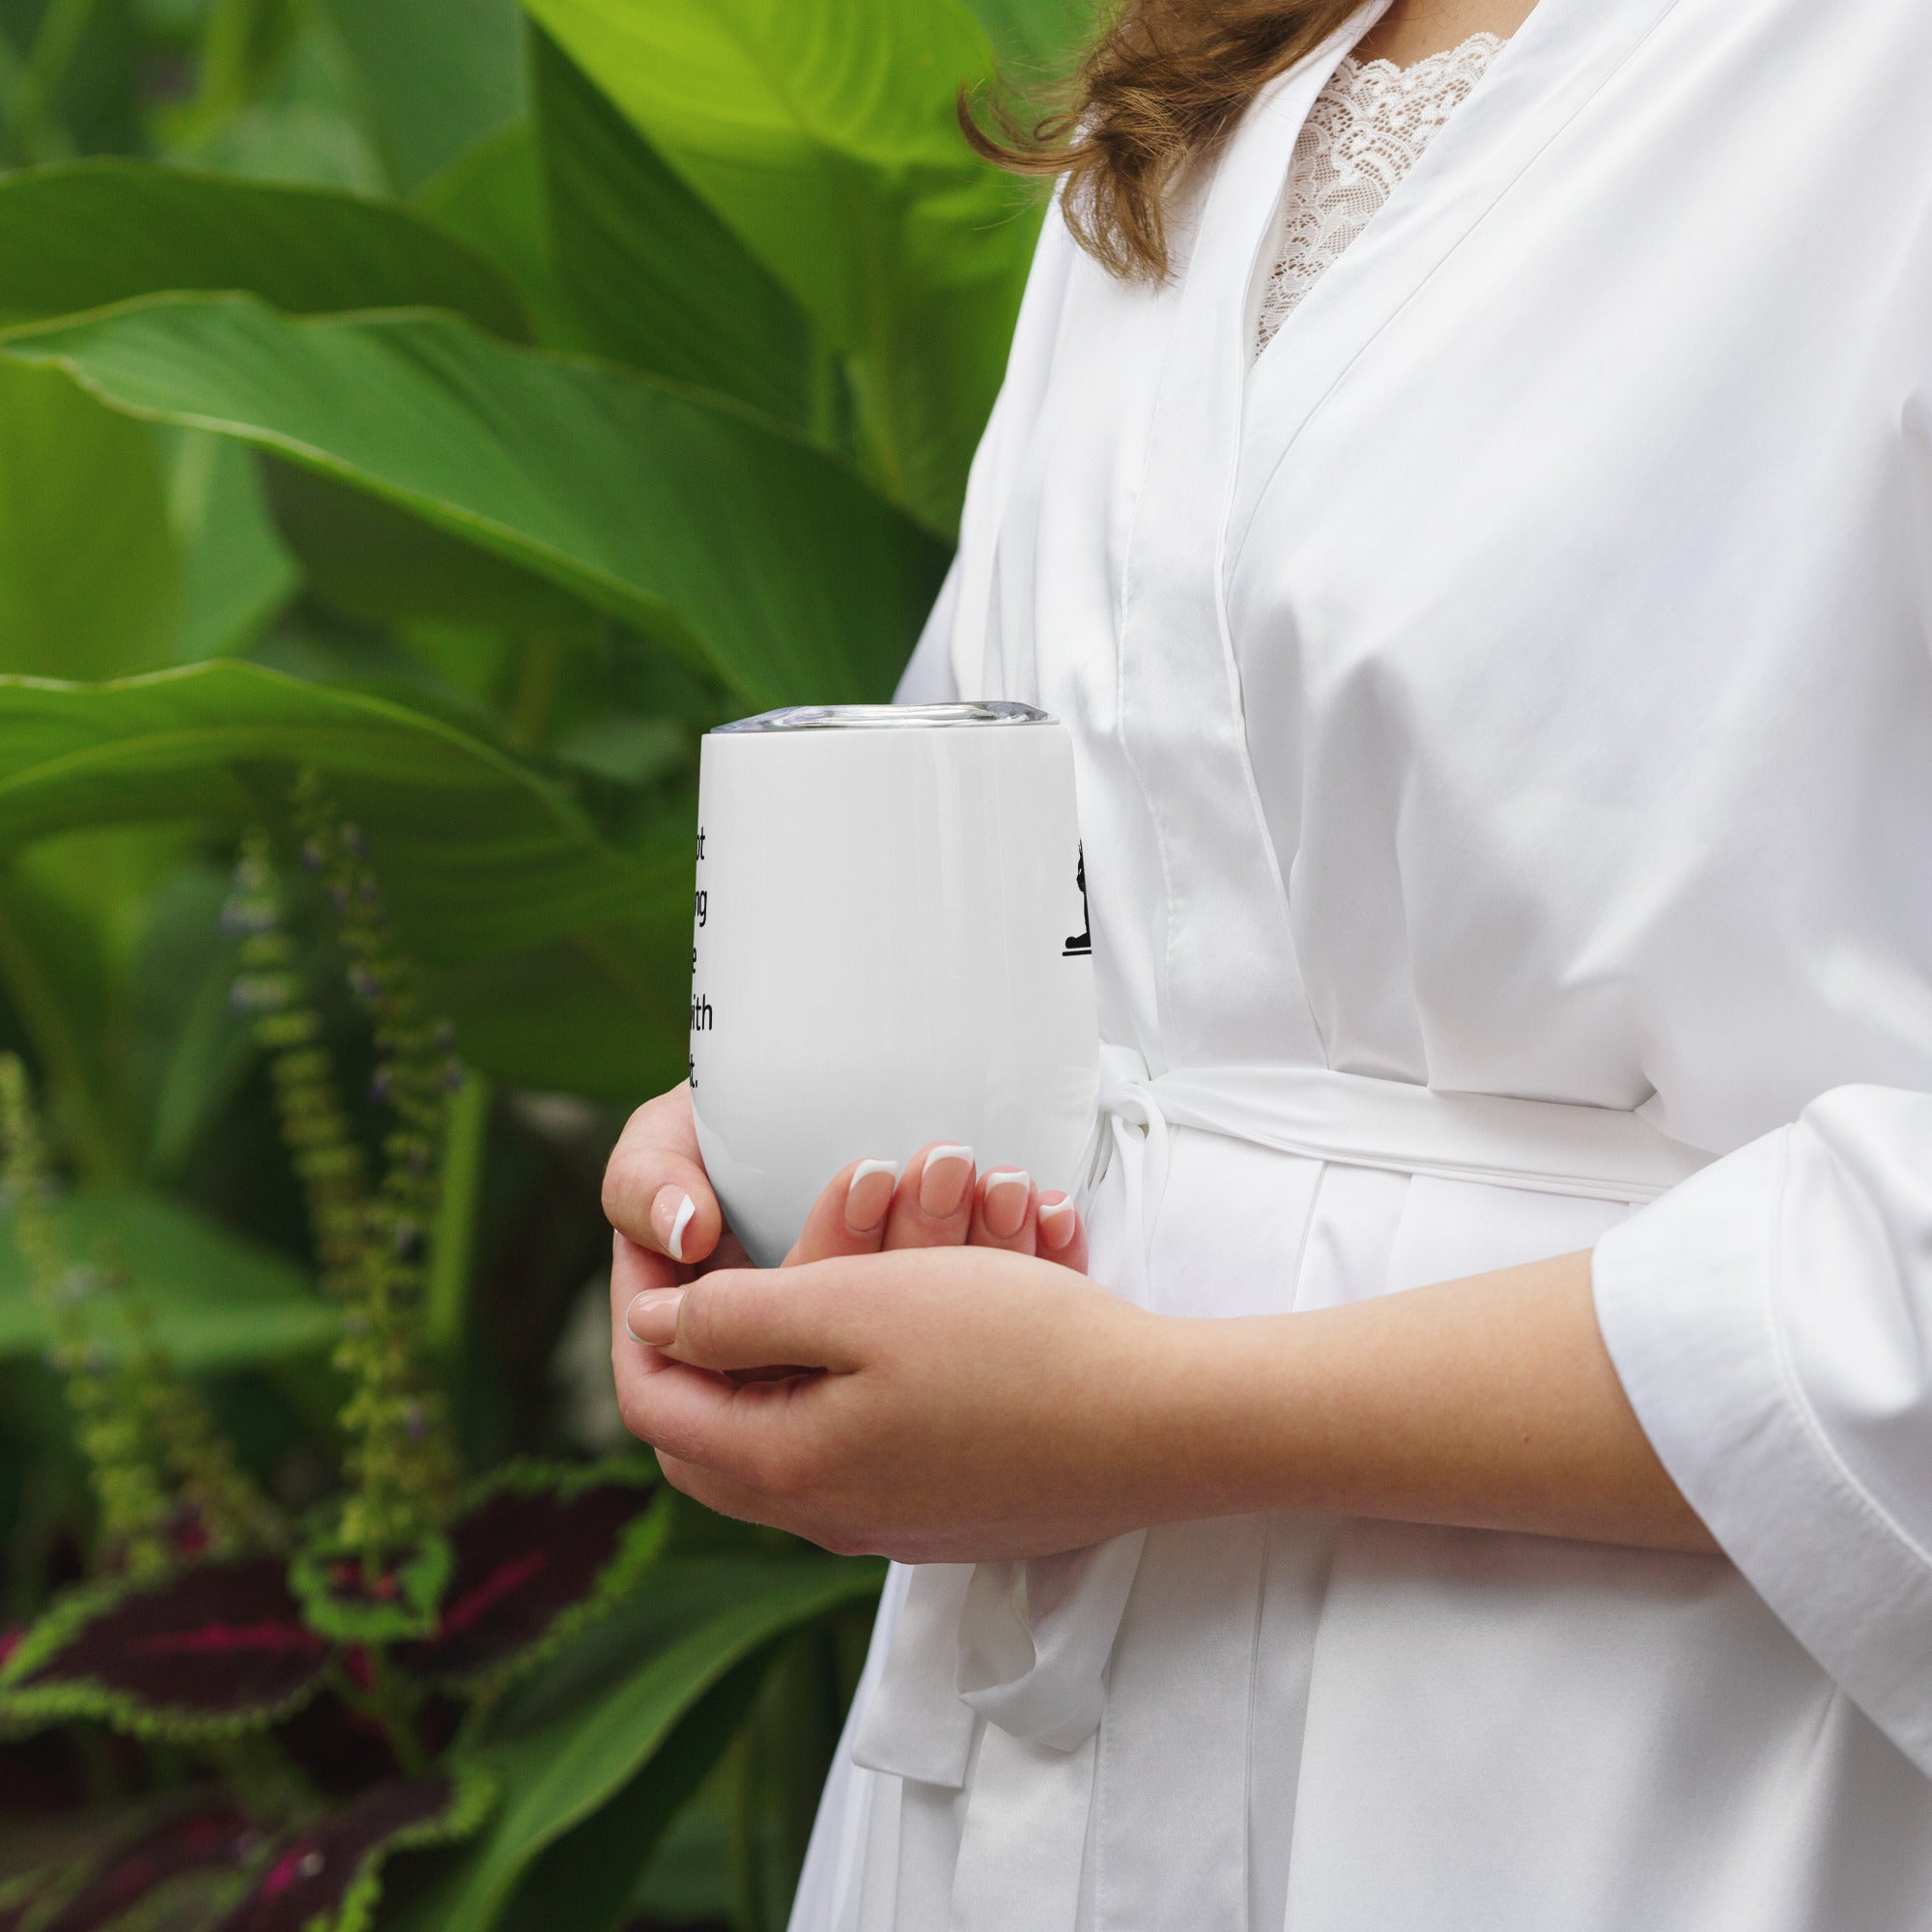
point(571, 1739)
point(659, 281)
point(824, 135)
point(240, 576)
point(277, 100)
point(89, 577)
point(71, 916)
point(602, 1858)
point(372, 561)
point(191, 1049)
point(493, 196)
point(218, 1301)
point(85, 234)
point(725, 537)
point(602, 1015)
point(1036, 37)
point(435, 74)
point(497, 881)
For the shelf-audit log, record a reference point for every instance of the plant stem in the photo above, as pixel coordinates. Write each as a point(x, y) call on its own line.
point(391, 1712)
point(453, 1239)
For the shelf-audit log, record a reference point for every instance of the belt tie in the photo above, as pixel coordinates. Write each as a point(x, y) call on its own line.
point(1025, 1645)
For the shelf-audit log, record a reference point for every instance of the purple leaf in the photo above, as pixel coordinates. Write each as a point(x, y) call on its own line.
point(536, 1554)
point(18, 1898)
point(219, 1648)
point(324, 1879)
point(211, 1838)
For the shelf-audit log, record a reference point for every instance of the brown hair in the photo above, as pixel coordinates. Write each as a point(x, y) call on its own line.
point(1156, 92)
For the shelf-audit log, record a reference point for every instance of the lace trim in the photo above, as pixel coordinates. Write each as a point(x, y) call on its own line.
point(1367, 129)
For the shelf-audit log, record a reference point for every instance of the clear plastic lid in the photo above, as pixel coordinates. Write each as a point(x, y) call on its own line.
point(888, 717)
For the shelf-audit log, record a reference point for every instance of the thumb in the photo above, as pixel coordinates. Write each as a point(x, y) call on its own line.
point(739, 1319)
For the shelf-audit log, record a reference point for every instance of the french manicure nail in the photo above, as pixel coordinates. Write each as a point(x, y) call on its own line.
point(1007, 1193)
point(943, 1185)
point(1058, 1220)
point(652, 1315)
point(670, 1216)
point(869, 1193)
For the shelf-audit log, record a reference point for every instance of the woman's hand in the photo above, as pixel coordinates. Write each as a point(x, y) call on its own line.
point(669, 1229)
point(939, 1203)
point(955, 1403)
point(658, 1199)
point(949, 1403)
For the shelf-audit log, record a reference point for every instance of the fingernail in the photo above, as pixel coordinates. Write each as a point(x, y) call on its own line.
point(1058, 1219)
point(869, 1193)
point(670, 1216)
point(1007, 1193)
point(943, 1185)
point(652, 1315)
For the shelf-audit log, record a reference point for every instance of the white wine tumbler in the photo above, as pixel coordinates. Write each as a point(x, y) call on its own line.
point(891, 946)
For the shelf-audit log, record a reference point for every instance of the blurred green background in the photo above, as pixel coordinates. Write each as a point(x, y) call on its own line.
point(469, 404)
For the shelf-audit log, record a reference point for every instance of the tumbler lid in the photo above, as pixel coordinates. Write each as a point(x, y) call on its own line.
point(888, 717)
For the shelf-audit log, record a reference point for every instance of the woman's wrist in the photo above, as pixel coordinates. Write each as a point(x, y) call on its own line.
point(1201, 1429)
point(1485, 1403)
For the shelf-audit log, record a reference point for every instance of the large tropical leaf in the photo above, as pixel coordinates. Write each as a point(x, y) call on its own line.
point(657, 279)
point(571, 1739)
point(89, 578)
point(600, 1862)
point(73, 918)
point(1036, 39)
point(824, 134)
point(238, 574)
point(727, 537)
point(217, 1300)
point(371, 560)
point(435, 76)
point(529, 922)
point(86, 234)
point(493, 196)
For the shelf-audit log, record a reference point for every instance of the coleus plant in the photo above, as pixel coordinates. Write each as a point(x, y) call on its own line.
point(322, 1679)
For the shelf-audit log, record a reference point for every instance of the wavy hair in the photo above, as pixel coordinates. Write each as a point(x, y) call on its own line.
point(1157, 93)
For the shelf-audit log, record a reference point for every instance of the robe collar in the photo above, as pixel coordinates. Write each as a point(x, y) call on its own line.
point(1222, 424)
point(1564, 55)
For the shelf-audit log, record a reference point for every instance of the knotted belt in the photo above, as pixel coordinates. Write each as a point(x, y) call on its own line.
point(1025, 1645)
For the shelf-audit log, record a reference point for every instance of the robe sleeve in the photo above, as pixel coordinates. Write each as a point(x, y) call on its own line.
point(1772, 1323)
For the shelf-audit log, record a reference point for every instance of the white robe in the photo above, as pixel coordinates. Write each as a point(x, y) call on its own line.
point(1517, 682)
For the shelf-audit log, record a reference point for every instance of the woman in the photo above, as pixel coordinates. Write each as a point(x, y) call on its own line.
point(1501, 1481)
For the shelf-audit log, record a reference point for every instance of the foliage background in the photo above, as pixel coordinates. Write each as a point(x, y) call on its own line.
point(471, 404)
